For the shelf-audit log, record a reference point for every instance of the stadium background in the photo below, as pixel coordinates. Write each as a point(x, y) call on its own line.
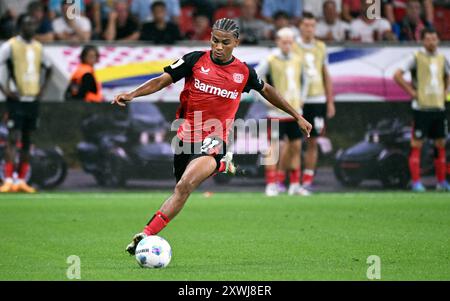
point(227, 232)
point(362, 79)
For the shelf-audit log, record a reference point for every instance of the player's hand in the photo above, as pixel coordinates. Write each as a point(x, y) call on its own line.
point(305, 126)
point(413, 94)
point(12, 95)
point(122, 99)
point(331, 110)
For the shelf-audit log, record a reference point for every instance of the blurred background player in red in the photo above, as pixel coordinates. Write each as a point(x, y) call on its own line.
point(214, 82)
point(319, 102)
point(24, 58)
point(283, 69)
point(430, 72)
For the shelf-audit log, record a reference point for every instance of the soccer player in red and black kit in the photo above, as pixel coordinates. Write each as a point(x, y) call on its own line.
point(214, 82)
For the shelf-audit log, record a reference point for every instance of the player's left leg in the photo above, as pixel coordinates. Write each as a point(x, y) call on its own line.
point(438, 132)
point(293, 158)
point(294, 166)
point(311, 157)
point(317, 116)
point(24, 164)
point(282, 167)
point(197, 171)
point(10, 154)
point(440, 165)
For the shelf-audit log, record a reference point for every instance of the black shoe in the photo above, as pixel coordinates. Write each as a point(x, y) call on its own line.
point(131, 248)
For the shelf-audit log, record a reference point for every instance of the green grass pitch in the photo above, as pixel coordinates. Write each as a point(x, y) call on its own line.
point(229, 236)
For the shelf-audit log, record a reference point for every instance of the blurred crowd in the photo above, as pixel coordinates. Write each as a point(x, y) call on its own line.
point(170, 21)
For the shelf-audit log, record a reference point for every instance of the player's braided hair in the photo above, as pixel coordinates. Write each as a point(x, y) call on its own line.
point(227, 25)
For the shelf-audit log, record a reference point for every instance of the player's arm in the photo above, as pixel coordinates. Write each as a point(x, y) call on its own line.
point(328, 84)
point(407, 87)
point(47, 76)
point(47, 66)
point(447, 76)
point(400, 80)
point(272, 96)
point(147, 88)
point(173, 73)
point(5, 54)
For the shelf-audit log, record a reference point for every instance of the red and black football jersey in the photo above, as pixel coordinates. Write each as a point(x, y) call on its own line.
point(211, 94)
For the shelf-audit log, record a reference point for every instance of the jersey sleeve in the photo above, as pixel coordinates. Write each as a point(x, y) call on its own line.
point(410, 64)
point(325, 55)
point(305, 84)
point(46, 62)
point(263, 68)
point(447, 67)
point(5, 53)
point(254, 82)
point(183, 66)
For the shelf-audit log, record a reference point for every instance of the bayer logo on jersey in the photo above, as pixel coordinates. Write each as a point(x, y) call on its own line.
point(238, 78)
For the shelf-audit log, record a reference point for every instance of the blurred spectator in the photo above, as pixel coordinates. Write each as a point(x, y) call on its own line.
point(202, 28)
point(388, 11)
point(252, 30)
point(121, 25)
point(332, 28)
point(83, 83)
point(368, 30)
point(219, 3)
point(55, 7)
point(70, 27)
point(9, 14)
point(141, 9)
point(44, 32)
point(351, 9)
point(410, 28)
point(206, 7)
point(160, 31)
point(281, 20)
point(101, 10)
point(16, 8)
point(315, 7)
point(293, 8)
point(398, 10)
point(229, 11)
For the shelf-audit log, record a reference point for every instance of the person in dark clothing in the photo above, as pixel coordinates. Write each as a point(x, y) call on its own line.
point(160, 31)
point(412, 25)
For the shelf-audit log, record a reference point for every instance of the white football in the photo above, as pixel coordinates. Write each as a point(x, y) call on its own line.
point(153, 252)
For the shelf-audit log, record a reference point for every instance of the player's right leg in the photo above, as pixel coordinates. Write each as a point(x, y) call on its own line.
point(420, 129)
point(21, 185)
point(440, 165)
point(197, 171)
point(10, 153)
point(311, 156)
point(271, 170)
point(414, 165)
point(295, 147)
